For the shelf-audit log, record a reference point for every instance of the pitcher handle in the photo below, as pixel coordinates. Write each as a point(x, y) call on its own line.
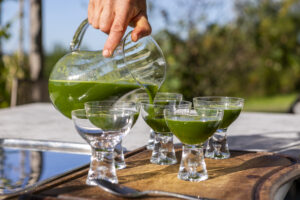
point(77, 38)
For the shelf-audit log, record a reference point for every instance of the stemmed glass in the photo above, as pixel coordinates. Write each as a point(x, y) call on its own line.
point(119, 152)
point(112, 124)
point(193, 129)
point(217, 145)
point(159, 96)
point(153, 114)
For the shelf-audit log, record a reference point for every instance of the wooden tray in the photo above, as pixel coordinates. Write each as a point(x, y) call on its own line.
point(246, 175)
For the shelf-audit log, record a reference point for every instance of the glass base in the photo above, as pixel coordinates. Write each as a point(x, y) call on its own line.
point(165, 161)
point(102, 166)
point(194, 178)
point(217, 146)
point(120, 165)
point(192, 167)
point(163, 152)
point(219, 156)
point(93, 183)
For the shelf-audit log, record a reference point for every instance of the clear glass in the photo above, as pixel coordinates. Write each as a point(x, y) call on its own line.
point(82, 76)
point(193, 129)
point(159, 96)
point(217, 145)
point(118, 151)
point(111, 125)
point(163, 152)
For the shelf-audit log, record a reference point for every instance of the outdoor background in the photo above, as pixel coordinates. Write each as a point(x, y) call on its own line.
point(243, 48)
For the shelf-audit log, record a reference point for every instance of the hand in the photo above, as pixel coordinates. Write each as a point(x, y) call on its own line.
point(113, 17)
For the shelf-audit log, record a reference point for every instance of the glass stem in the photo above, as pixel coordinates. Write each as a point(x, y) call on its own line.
point(192, 166)
point(119, 156)
point(166, 152)
point(217, 146)
point(102, 166)
point(151, 141)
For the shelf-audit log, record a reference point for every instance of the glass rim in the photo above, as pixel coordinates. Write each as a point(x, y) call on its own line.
point(77, 112)
point(147, 102)
point(211, 98)
point(92, 104)
point(192, 112)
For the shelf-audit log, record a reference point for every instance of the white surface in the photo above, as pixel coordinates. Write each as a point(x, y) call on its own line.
point(251, 131)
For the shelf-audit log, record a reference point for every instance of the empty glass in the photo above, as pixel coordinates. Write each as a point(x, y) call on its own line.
point(153, 114)
point(193, 129)
point(217, 145)
point(119, 153)
point(159, 96)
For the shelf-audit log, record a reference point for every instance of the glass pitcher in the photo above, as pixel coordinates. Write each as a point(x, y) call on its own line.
point(82, 76)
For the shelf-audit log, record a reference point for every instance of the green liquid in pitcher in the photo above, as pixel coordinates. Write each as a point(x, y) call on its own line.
point(230, 114)
point(71, 95)
point(190, 131)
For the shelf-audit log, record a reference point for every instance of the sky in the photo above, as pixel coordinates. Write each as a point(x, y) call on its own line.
point(62, 17)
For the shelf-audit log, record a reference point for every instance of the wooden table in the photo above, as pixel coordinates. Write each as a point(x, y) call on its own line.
point(246, 175)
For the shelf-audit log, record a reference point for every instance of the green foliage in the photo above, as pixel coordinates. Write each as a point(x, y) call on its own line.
point(257, 54)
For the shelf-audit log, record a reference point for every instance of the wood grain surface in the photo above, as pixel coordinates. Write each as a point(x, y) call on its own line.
point(246, 175)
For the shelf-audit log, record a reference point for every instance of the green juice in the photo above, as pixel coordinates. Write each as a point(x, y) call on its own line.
point(151, 91)
point(71, 95)
point(192, 131)
point(230, 114)
point(157, 123)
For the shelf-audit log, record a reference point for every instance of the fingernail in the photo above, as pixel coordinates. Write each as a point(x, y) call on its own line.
point(106, 53)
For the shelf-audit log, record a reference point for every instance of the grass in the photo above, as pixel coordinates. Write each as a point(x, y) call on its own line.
point(278, 103)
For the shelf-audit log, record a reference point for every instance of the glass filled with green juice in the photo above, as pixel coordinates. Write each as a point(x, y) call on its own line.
point(159, 96)
point(217, 145)
point(163, 152)
point(193, 129)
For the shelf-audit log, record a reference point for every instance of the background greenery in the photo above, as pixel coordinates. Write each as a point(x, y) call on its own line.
point(255, 56)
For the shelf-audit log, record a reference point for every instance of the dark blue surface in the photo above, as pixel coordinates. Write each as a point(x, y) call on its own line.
point(22, 168)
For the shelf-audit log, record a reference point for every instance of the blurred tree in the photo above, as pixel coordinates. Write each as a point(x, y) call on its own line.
point(258, 53)
point(36, 44)
point(20, 65)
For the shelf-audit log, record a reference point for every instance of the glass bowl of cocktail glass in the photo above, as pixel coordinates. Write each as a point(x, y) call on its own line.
point(192, 129)
point(217, 145)
point(159, 96)
point(112, 124)
point(163, 152)
point(118, 151)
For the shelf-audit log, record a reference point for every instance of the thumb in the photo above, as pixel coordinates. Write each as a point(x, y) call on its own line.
point(141, 27)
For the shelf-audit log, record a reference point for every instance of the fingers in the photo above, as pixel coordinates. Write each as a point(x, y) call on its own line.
point(142, 27)
point(116, 33)
point(107, 17)
point(91, 9)
point(94, 12)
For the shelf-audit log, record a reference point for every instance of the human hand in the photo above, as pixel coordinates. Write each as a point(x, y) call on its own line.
point(113, 17)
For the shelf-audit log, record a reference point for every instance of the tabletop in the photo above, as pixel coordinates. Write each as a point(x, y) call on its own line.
point(40, 124)
point(273, 132)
